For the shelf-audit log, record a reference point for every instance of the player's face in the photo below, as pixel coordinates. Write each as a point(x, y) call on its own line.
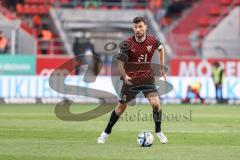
point(140, 29)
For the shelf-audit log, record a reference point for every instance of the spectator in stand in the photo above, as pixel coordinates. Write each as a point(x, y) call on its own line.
point(155, 7)
point(85, 48)
point(77, 50)
point(175, 8)
point(111, 1)
point(37, 21)
point(3, 43)
point(11, 4)
point(45, 38)
point(91, 3)
point(155, 4)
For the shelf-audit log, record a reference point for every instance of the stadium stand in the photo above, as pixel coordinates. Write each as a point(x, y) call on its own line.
point(11, 27)
point(187, 22)
point(201, 18)
point(35, 13)
point(94, 23)
point(219, 43)
point(101, 26)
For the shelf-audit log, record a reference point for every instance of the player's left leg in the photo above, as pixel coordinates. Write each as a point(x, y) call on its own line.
point(154, 101)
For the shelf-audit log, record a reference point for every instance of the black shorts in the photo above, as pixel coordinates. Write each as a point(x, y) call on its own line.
point(129, 92)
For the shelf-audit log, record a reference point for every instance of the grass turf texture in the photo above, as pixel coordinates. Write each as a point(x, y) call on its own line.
point(33, 132)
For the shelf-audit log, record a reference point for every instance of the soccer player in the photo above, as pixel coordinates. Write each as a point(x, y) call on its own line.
point(140, 49)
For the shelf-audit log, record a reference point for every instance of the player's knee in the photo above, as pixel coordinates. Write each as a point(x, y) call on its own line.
point(156, 108)
point(155, 105)
point(120, 108)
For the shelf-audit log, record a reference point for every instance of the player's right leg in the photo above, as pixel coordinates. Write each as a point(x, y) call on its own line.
point(125, 97)
point(116, 113)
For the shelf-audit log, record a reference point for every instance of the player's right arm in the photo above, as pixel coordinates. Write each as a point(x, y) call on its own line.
point(122, 58)
point(123, 73)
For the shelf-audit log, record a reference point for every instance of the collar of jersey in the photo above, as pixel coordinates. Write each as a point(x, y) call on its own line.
point(139, 42)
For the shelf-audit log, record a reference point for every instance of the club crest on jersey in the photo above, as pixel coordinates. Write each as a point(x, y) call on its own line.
point(149, 48)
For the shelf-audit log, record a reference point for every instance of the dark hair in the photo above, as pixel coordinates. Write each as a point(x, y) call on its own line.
point(136, 20)
point(216, 64)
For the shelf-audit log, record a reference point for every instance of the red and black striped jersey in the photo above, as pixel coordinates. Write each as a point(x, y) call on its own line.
point(139, 56)
point(142, 52)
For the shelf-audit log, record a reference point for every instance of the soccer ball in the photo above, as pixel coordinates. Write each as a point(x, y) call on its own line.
point(145, 139)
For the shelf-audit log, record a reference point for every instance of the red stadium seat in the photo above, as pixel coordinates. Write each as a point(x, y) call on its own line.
point(214, 21)
point(47, 9)
point(41, 1)
point(31, 9)
point(237, 2)
point(35, 1)
point(204, 21)
point(104, 7)
point(27, 28)
point(41, 10)
point(64, 1)
point(226, 2)
point(34, 9)
point(164, 22)
point(224, 10)
point(51, 1)
point(32, 1)
point(27, 9)
point(20, 9)
point(214, 11)
point(79, 7)
point(28, 1)
point(138, 7)
point(115, 7)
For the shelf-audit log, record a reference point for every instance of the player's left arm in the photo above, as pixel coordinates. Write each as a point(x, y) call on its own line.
point(161, 55)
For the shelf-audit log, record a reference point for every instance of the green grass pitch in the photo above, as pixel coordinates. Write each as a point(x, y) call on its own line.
point(33, 132)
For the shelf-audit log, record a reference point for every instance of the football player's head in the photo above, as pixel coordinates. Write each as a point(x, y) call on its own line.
point(139, 27)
